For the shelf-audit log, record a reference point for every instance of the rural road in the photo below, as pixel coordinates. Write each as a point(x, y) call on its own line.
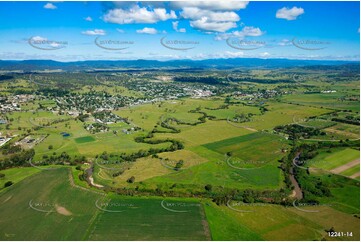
point(345, 166)
point(355, 175)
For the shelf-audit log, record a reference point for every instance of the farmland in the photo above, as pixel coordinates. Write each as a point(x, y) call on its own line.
point(82, 214)
point(156, 155)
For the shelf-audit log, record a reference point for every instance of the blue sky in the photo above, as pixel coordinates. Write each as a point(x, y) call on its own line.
point(70, 31)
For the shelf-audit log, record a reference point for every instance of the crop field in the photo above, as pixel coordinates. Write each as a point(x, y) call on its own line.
point(53, 204)
point(344, 131)
point(256, 147)
point(219, 173)
point(16, 175)
point(351, 171)
point(325, 100)
point(336, 158)
point(271, 222)
point(149, 219)
point(50, 206)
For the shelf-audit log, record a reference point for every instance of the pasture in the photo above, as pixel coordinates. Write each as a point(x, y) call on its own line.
point(336, 158)
point(124, 218)
point(273, 222)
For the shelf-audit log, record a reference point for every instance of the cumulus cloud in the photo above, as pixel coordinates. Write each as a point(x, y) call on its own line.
point(50, 6)
point(289, 13)
point(175, 27)
point(211, 16)
point(245, 32)
point(147, 31)
point(136, 14)
point(207, 16)
point(94, 32)
point(89, 19)
point(211, 5)
point(204, 24)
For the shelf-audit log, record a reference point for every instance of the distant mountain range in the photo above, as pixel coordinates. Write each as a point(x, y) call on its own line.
point(39, 65)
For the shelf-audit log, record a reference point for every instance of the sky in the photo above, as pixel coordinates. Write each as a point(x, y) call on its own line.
point(76, 31)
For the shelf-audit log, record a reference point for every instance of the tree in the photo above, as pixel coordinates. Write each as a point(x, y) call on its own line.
point(50, 147)
point(208, 187)
point(131, 179)
point(8, 184)
point(179, 165)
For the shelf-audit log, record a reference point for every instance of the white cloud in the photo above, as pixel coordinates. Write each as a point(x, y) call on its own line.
point(245, 32)
point(230, 54)
point(203, 24)
point(289, 14)
point(175, 27)
point(209, 19)
point(211, 5)
point(147, 31)
point(38, 38)
point(212, 16)
point(136, 14)
point(89, 19)
point(94, 32)
point(50, 6)
point(264, 54)
point(285, 42)
point(121, 31)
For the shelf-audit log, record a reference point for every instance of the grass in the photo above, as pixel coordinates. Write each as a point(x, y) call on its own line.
point(80, 218)
point(225, 227)
point(146, 219)
point(325, 100)
point(328, 217)
point(274, 222)
point(254, 147)
point(344, 131)
point(46, 190)
point(84, 139)
point(204, 133)
point(341, 189)
point(218, 173)
point(16, 175)
point(351, 171)
point(336, 158)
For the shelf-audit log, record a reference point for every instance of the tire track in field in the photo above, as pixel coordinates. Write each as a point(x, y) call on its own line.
point(345, 167)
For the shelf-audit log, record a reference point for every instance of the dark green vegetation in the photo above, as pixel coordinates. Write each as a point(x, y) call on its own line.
point(84, 139)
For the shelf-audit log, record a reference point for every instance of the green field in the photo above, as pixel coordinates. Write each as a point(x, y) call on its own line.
point(257, 147)
point(84, 139)
point(146, 219)
point(150, 157)
point(351, 171)
point(53, 204)
point(272, 222)
point(336, 158)
point(16, 175)
point(63, 208)
point(325, 100)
